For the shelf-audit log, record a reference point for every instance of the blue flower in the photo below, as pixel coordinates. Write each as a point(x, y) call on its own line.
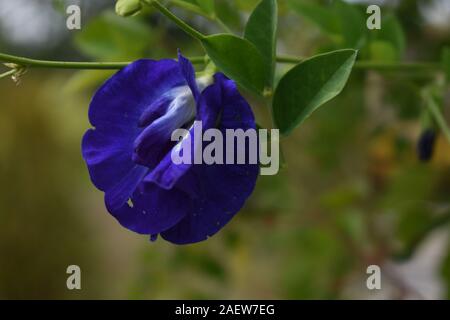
point(128, 153)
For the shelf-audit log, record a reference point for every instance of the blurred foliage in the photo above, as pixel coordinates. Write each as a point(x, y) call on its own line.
point(111, 38)
point(352, 193)
point(42, 231)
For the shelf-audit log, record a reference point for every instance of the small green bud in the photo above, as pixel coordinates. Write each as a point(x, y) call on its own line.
point(127, 8)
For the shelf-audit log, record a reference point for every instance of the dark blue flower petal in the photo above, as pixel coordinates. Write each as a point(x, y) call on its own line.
point(210, 104)
point(222, 189)
point(216, 204)
point(209, 107)
point(153, 210)
point(122, 191)
point(167, 173)
point(154, 111)
point(120, 102)
point(188, 71)
point(147, 146)
point(107, 158)
point(115, 111)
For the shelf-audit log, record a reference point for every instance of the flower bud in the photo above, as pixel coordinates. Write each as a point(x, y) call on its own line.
point(127, 8)
point(425, 145)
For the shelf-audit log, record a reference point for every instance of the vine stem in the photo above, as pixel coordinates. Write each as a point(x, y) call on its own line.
point(373, 65)
point(180, 23)
point(27, 62)
point(34, 63)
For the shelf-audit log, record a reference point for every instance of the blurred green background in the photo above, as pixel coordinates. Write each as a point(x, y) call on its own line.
point(351, 192)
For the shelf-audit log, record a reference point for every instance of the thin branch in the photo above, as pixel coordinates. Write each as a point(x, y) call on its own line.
point(27, 62)
point(380, 66)
point(180, 23)
point(34, 63)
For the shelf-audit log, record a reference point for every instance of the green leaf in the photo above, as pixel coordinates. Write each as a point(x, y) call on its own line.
point(238, 59)
point(353, 24)
point(446, 61)
point(342, 21)
point(207, 6)
point(324, 18)
point(261, 30)
point(110, 37)
point(309, 85)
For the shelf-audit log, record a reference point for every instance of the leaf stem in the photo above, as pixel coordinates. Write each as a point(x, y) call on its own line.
point(183, 25)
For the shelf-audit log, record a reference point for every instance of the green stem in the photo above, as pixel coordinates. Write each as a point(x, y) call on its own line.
point(381, 66)
point(437, 115)
point(27, 62)
point(401, 66)
point(33, 63)
point(183, 25)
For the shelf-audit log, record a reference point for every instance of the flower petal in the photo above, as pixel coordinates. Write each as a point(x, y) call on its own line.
point(223, 189)
point(167, 173)
point(150, 145)
point(115, 111)
point(120, 102)
point(108, 159)
point(154, 210)
point(188, 71)
point(117, 196)
point(210, 104)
